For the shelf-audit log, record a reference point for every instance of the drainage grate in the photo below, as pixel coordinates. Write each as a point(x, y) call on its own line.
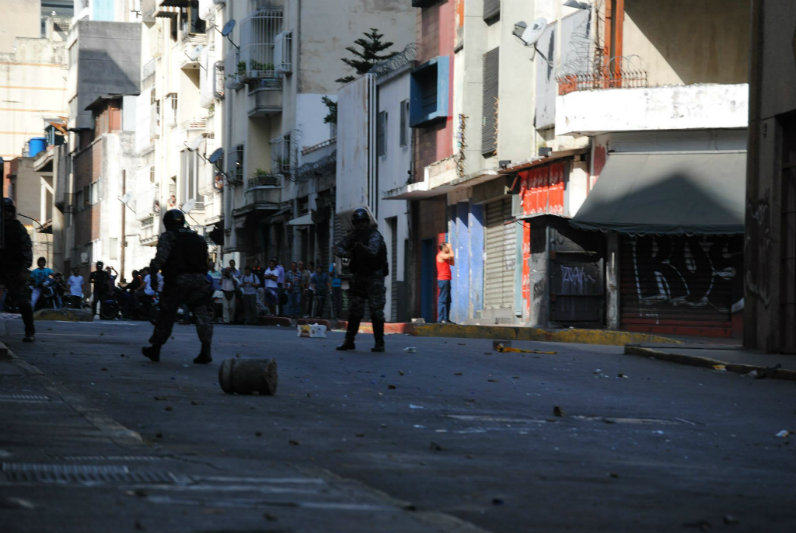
point(24, 398)
point(81, 474)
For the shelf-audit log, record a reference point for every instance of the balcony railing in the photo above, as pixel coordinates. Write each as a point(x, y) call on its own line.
point(281, 154)
point(264, 180)
point(259, 33)
point(619, 72)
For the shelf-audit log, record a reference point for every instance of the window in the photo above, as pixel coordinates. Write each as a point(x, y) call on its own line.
point(491, 11)
point(151, 174)
point(489, 107)
point(79, 200)
point(404, 135)
point(236, 164)
point(93, 193)
point(429, 91)
point(381, 133)
point(189, 166)
point(171, 109)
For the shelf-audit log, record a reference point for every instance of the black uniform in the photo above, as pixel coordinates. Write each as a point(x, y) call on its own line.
point(182, 256)
point(15, 260)
point(368, 264)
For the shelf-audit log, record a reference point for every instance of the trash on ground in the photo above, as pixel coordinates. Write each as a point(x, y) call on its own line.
point(413, 406)
point(503, 348)
point(720, 368)
point(314, 331)
point(434, 447)
point(410, 349)
point(622, 375)
point(782, 434)
point(557, 411)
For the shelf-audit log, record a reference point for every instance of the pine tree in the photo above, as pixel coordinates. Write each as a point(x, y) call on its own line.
point(331, 105)
point(367, 51)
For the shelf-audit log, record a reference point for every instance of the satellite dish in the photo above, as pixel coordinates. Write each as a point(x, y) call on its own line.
point(228, 27)
point(216, 156)
point(194, 143)
point(126, 198)
point(527, 35)
point(188, 206)
point(193, 53)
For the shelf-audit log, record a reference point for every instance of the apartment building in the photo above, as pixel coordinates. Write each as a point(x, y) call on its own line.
point(281, 59)
point(179, 120)
point(104, 67)
point(33, 72)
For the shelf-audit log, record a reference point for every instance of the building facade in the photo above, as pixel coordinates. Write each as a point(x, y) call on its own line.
point(282, 59)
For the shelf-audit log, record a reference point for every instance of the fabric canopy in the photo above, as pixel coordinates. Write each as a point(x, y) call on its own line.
point(668, 193)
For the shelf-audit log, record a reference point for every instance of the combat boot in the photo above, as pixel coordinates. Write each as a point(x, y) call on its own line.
point(152, 352)
point(351, 332)
point(378, 335)
point(204, 356)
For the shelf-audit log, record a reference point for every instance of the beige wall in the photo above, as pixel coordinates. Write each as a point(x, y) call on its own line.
point(20, 18)
point(688, 41)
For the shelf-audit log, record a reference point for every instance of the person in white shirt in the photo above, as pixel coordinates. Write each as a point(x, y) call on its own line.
point(249, 284)
point(75, 283)
point(271, 277)
point(229, 284)
point(148, 290)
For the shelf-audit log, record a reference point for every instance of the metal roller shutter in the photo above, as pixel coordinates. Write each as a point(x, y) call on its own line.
point(500, 246)
point(679, 284)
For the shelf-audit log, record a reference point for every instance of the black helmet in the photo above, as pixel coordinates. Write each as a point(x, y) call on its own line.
point(174, 219)
point(9, 209)
point(360, 215)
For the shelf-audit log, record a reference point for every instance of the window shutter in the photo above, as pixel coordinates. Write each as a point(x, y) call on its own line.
point(490, 102)
point(381, 133)
point(491, 10)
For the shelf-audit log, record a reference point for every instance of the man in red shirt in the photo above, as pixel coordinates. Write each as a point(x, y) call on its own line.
point(444, 262)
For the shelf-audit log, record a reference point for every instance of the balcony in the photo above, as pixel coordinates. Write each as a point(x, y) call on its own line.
point(260, 33)
point(259, 198)
point(149, 231)
point(603, 110)
point(264, 180)
point(265, 98)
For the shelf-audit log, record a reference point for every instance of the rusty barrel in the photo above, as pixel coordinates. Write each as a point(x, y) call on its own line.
point(248, 376)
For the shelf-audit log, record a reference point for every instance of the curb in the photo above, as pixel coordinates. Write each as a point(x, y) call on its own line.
point(707, 362)
point(68, 315)
point(522, 333)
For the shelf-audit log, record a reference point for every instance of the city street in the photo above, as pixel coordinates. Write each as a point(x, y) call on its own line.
point(453, 437)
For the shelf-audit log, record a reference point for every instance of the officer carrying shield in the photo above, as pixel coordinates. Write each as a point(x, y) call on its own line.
point(182, 256)
point(16, 257)
point(365, 248)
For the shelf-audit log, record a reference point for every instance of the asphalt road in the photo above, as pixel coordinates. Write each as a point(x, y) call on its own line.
point(454, 437)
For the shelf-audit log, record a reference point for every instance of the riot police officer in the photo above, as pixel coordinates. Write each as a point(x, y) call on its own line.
point(365, 248)
point(182, 256)
point(15, 260)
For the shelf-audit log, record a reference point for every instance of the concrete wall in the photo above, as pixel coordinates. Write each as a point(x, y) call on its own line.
point(716, 33)
point(20, 19)
point(326, 28)
point(109, 61)
point(353, 144)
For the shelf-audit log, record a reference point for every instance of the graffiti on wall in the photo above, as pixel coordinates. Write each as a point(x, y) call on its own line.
point(688, 271)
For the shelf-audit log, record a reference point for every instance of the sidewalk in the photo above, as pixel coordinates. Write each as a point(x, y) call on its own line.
point(730, 358)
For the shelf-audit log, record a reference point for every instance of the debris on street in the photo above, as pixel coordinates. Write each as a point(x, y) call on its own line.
point(504, 348)
point(782, 434)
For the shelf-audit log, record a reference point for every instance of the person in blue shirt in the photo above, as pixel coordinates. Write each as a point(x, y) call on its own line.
point(320, 288)
point(39, 279)
point(337, 292)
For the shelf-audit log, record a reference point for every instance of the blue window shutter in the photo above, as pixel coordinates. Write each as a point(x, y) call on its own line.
point(443, 83)
point(415, 102)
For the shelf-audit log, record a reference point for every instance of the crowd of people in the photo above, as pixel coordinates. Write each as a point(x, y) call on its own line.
point(298, 292)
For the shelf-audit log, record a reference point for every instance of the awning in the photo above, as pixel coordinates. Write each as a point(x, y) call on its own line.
point(673, 193)
point(303, 220)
